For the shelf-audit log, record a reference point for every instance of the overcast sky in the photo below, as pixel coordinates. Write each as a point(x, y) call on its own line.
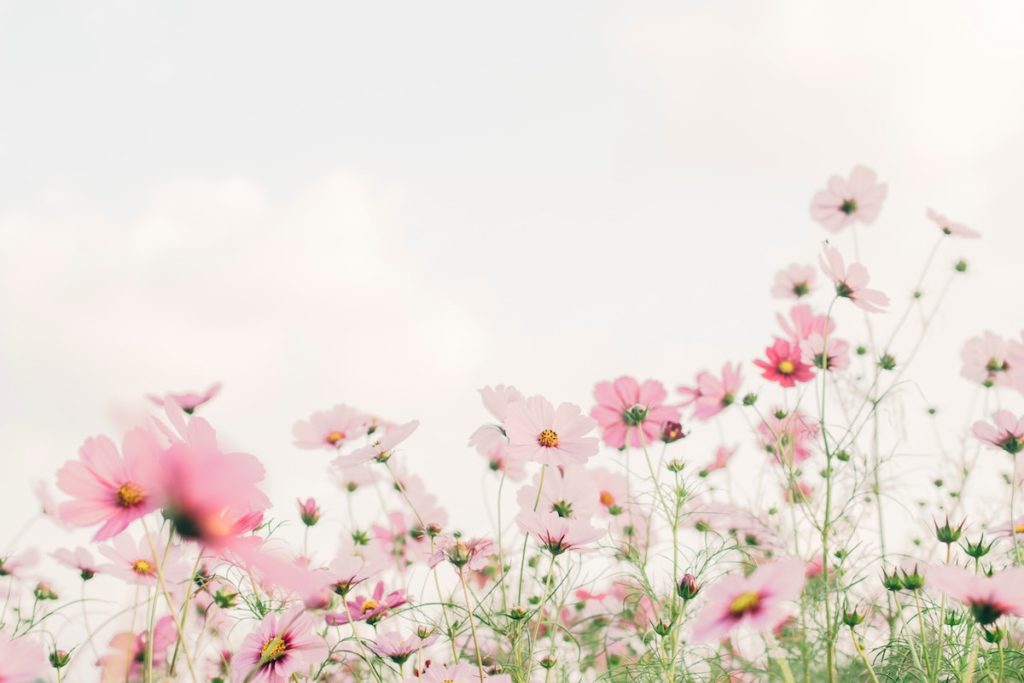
point(392, 205)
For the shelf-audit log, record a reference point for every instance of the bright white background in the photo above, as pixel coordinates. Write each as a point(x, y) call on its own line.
point(392, 205)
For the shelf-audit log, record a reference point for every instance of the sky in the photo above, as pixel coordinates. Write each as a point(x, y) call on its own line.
point(392, 205)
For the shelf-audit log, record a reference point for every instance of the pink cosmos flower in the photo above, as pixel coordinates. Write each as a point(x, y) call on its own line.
point(612, 491)
point(474, 554)
point(370, 609)
point(558, 534)
point(398, 648)
point(331, 429)
point(784, 364)
point(282, 645)
point(353, 565)
point(15, 565)
point(722, 456)
point(843, 202)
point(759, 602)
point(797, 492)
point(803, 322)
point(487, 438)
point(125, 659)
point(380, 450)
point(188, 400)
point(538, 432)
point(713, 395)
point(788, 436)
point(108, 488)
point(456, 673)
point(793, 282)
point(498, 460)
point(831, 355)
point(1007, 433)
point(987, 597)
point(630, 412)
point(851, 283)
point(78, 559)
point(569, 493)
point(47, 502)
point(21, 660)
point(351, 479)
point(133, 561)
point(992, 360)
point(949, 227)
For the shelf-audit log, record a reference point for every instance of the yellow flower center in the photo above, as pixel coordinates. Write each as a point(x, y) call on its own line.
point(142, 567)
point(786, 367)
point(129, 495)
point(273, 650)
point(746, 602)
point(369, 604)
point(1019, 529)
point(548, 438)
point(334, 437)
point(607, 499)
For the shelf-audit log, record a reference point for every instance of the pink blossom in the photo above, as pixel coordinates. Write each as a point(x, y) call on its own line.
point(15, 565)
point(538, 432)
point(126, 656)
point(498, 460)
point(22, 660)
point(759, 602)
point(788, 436)
point(569, 493)
point(282, 645)
point(713, 395)
point(558, 534)
point(474, 554)
point(309, 511)
point(987, 597)
point(353, 565)
point(487, 438)
point(722, 456)
point(187, 400)
point(107, 488)
point(134, 562)
point(398, 648)
point(370, 609)
point(456, 673)
point(331, 429)
point(351, 479)
point(1007, 433)
point(78, 559)
point(852, 282)
point(992, 360)
point(949, 227)
point(831, 355)
point(612, 491)
point(784, 364)
point(793, 282)
point(803, 322)
point(845, 201)
point(380, 450)
point(631, 413)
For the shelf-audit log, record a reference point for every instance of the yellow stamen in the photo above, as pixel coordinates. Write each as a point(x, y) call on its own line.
point(273, 650)
point(129, 495)
point(369, 605)
point(548, 438)
point(746, 602)
point(1019, 529)
point(334, 437)
point(786, 367)
point(142, 567)
point(607, 499)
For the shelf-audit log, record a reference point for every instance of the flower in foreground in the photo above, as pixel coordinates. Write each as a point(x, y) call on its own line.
point(1007, 433)
point(331, 429)
point(845, 201)
point(713, 395)
point(21, 660)
point(558, 534)
point(785, 364)
point(282, 645)
point(379, 450)
point(630, 412)
point(851, 282)
point(188, 400)
point(793, 282)
point(759, 602)
point(949, 227)
point(987, 597)
point(538, 432)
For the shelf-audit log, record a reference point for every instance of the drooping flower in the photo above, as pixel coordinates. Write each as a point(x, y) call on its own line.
point(370, 609)
point(631, 413)
point(794, 282)
point(331, 429)
point(108, 488)
point(538, 432)
point(380, 449)
point(845, 201)
point(398, 648)
point(949, 227)
point(987, 597)
point(1007, 433)
point(785, 364)
point(567, 493)
point(851, 282)
point(759, 602)
point(992, 360)
point(78, 559)
point(282, 645)
point(713, 395)
point(832, 354)
point(187, 400)
point(22, 660)
point(558, 534)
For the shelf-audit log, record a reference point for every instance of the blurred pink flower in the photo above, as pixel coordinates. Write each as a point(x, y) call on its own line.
point(488, 438)
point(331, 429)
point(456, 673)
point(398, 648)
point(784, 364)
point(282, 645)
point(127, 651)
point(188, 400)
point(16, 564)
point(851, 282)
point(722, 456)
point(370, 609)
point(632, 413)
point(567, 493)
point(788, 436)
point(474, 553)
point(987, 597)
point(558, 534)
point(993, 360)
point(845, 201)
point(537, 432)
point(803, 322)
point(22, 660)
point(134, 562)
point(713, 395)
point(793, 282)
point(78, 559)
point(380, 449)
point(836, 356)
point(612, 491)
point(949, 227)
point(758, 602)
point(1007, 433)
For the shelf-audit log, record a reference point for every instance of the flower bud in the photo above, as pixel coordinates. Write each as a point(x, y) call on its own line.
point(979, 549)
point(43, 591)
point(548, 662)
point(913, 581)
point(892, 582)
point(59, 659)
point(309, 512)
point(688, 587)
point(672, 431)
point(948, 534)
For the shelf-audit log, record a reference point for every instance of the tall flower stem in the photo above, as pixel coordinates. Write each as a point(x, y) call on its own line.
point(472, 624)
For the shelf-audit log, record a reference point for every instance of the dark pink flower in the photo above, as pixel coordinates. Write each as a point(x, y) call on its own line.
point(370, 609)
point(282, 645)
point(785, 364)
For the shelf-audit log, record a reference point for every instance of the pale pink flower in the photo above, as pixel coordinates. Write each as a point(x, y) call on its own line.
point(487, 438)
point(845, 201)
point(22, 660)
point(427, 507)
point(187, 400)
point(474, 553)
point(612, 491)
point(404, 539)
point(722, 456)
point(992, 360)
point(282, 645)
point(794, 282)
point(48, 504)
point(380, 450)
point(949, 227)
point(78, 559)
point(354, 564)
point(127, 650)
point(803, 322)
point(632, 413)
point(398, 648)
point(851, 282)
point(784, 364)
point(498, 460)
point(538, 432)
point(351, 479)
point(558, 534)
point(1007, 433)
point(456, 673)
point(713, 395)
point(370, 609)
point(16, 565)
point(134, 562)
point(788, 436)
point(832, 354)
point(987, 597)
point(107, 488)
point(759, 602)
point(567, 493)
point(331, 429)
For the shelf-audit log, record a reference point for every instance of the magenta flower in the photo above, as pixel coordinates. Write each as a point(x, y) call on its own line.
point(713, 395)
point(851, 283)
point(370, 609)
point(793, 282)
point(845, 201)
point(631, 413)
point(759, 602)
point(187, 400)
point(987, 597)
point(1007, 433)
point(949, 227)
point(21, 660)
point(331, 429)
point(785, 364)
point(831, 354)
point(538, 432)
point(107, 488)
point(282, 645)
point(379, 450)
point(558, 534)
